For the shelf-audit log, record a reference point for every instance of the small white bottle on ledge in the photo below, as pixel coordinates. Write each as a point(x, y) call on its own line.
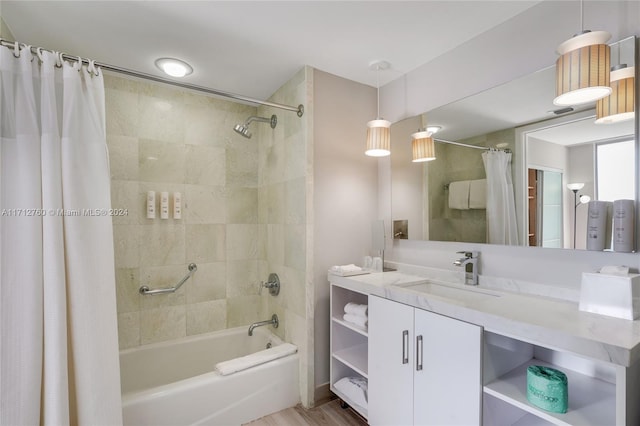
point(164, 205)
point(151, 205)
point(177, 205)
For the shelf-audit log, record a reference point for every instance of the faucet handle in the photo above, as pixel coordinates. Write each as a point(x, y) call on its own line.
point(469, 254)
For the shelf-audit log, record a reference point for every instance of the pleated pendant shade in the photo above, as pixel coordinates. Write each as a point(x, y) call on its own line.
point(620, 105)
point(378, 138)
point(423, 147)
point(583, 69)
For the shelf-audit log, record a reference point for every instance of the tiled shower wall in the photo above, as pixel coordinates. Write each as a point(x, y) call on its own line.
point(284, 216)
point(165, 139)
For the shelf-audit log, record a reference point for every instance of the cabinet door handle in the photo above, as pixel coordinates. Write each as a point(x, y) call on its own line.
point(405, 347)
point(419, 352)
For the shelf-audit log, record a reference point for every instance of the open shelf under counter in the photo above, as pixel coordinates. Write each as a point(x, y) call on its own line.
point(355, 357)
point(361, 330)
point(591, 401)
point(361, 410)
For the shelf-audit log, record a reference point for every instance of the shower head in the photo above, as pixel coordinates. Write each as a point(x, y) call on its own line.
point(243, 129)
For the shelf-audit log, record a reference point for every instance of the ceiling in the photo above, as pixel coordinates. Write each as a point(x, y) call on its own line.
point(253, 47)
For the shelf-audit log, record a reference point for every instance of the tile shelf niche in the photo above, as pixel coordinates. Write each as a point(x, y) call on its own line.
point(349, 343)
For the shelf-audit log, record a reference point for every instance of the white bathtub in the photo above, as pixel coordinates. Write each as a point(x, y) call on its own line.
point(174, 383)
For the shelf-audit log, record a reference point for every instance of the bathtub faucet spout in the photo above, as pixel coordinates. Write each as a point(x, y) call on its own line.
point(273, 320)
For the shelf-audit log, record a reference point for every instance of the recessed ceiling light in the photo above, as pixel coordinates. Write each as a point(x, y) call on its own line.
point(434, 129)
point(174, 67)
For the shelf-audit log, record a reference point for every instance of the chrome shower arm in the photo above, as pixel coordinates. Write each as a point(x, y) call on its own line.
point(273, 120)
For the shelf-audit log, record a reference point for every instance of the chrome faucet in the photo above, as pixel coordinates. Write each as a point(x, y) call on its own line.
point(470, 263)
point(273, 320)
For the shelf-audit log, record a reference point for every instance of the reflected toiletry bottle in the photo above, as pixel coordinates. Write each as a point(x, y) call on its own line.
point(623, 227)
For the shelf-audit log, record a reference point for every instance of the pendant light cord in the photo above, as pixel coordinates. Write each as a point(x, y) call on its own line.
point(378, 87)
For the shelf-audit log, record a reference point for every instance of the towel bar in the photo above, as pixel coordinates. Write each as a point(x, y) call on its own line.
point(145, 290)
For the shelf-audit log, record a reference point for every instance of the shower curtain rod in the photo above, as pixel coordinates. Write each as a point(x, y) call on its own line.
point(299, 110)
point(484, 148)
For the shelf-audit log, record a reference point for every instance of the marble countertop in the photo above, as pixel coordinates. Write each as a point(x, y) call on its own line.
point(544, 321)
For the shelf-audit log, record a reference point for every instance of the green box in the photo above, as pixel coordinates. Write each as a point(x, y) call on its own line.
point(547, 388)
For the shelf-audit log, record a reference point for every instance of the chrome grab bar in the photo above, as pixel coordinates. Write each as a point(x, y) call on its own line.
point(145, 290)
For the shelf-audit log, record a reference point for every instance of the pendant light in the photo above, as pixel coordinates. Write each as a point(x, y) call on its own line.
point(378, 130)
point(423, 147)
point(582, 70)
point(620, 105)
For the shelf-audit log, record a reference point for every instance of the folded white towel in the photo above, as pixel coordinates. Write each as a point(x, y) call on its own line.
point(346, 268)
point(356, 319)
point(478, 194)
point(356, 309)
point(459, 195)
point(354, 388)
point(242, 363)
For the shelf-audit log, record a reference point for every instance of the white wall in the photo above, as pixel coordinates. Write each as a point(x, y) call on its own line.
point(520, 46)
point(406, 183)
point(345, 191)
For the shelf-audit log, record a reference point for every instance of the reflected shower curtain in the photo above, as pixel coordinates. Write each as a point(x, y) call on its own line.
point(502, 227)
point(58, 332)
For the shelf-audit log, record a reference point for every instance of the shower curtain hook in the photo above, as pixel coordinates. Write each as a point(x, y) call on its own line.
point(16, 49)
point(39, 54)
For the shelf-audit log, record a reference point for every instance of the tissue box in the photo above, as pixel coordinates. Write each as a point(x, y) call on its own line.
point(615, 296)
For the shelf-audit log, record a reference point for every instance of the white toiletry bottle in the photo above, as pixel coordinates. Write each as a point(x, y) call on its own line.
point(164, 205)
point(623, 225)
point(151, 205)
point(177, 205)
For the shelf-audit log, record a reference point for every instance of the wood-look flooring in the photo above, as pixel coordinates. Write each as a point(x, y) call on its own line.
point(328, 414)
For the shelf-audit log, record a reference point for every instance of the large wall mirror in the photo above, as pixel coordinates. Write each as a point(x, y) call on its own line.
point(549, 148)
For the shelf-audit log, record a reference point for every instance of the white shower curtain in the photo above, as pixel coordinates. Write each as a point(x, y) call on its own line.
point(502, 227)
point(58, 332)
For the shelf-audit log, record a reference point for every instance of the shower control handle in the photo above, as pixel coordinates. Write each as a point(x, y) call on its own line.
point(273, 284)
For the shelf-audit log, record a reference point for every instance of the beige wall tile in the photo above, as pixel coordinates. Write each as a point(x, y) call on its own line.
point(208, 283)
point(275, 244)
point(128, 330)
point(121, 113)
point(242, 278)
point(295, 201)
point(162, 119)
point(204, 204)
point(205, 165)
point(206, 125)
point(124, 195)
point(127, 285)
point(162, 324)
point(242, 242)
point(295, 247)
point(206, 317)
point(123, 157)
point(294, 291)
point(206, 243)
point(125, 244)
point(161, 161)
point(242, 205)
point(242, 163)
point(295, 153)
point(244, 310)
point(162, 244)
point(276, 203)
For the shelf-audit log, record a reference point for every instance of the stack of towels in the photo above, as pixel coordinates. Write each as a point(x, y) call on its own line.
point(356, 314)
point(468, 194)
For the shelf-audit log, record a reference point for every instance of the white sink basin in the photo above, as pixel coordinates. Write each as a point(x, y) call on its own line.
point(453, 292)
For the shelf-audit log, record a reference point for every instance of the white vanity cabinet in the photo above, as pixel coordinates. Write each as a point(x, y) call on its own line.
point(424, 368)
